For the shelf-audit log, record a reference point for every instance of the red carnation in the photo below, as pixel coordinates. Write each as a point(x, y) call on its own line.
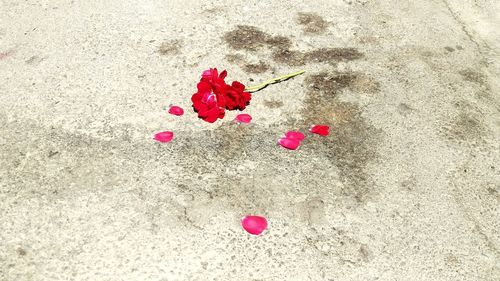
point(215, 79)
point(235, 96)
point(214, 95)
point(208, 103)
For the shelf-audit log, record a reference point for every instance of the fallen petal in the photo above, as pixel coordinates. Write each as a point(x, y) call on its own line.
point(287, 143)
point(322, 130)
point(295, 135)
point(164, 136)
point(254, 224)
point(243, 118)
point(176, 110)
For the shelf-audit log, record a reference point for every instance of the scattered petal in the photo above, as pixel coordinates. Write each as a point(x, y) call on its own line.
point(322, 130)
point(243, 118)
point(295, 135)
point(176, 110)
point(287, 143)
point(254, 224)
point(164, 136)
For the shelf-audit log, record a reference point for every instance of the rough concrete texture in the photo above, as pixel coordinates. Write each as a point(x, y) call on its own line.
point(407, 187)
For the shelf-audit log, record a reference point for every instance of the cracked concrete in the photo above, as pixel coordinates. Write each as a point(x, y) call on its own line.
point(406, 187)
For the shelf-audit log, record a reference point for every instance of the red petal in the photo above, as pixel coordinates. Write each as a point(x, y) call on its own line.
point(254, 224)
point(243, 118)
point(295, 135)
point(322, 130)
point(164, 136)
point(207, 73)
point(238, 85)
point(291, 144)
point(223, 74)
point(176, 110)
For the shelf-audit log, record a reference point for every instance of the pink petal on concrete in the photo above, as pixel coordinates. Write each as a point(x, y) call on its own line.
point(322, 130)
point(254, 224)
point(243, 118)
point(295, 135)
point(176, 110)
point(287, 143)
point(164, 136)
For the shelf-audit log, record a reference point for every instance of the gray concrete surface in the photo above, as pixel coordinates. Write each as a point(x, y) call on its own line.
point(407, 187)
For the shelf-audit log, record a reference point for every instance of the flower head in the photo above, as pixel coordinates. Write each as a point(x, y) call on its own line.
point(235, 96)
point(214, 96)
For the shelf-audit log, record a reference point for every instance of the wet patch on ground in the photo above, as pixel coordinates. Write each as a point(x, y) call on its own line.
point(252, 39)
point(473, 76)
point(449, 49)
point(322, 55)
point(353, 141)
point(273, 103)
point(312, 23)
point(353, 144)
point(33, 60)
point(248, 67)
point(172, 47)
point(466, 127)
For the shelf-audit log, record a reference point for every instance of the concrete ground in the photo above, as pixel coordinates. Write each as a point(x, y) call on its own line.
point(407, 186)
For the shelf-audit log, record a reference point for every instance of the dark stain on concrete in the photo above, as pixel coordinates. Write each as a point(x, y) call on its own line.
point(252, 68)
point(365, 253)
point(492, 191)
point(34, 60)
point(322, 55)
point(404, 109)
point(352, 144)
point(449, 49)
point(172, 47)
point(365, 84)
point(256, 68)
point(471, 75)
point(465, 127)
point(20, 251)
point(312, 23)
point(250, 38)
point(279, 42)
point(273, 103)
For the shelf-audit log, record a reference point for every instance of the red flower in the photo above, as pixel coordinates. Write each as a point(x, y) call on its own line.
point(235, 96)
point(214, 95)
point(208, 104)
point(215, 80)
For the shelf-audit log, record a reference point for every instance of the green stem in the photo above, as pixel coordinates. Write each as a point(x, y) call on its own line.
point(272, 81)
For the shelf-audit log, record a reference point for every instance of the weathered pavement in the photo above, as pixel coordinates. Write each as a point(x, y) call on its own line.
point(407, 187)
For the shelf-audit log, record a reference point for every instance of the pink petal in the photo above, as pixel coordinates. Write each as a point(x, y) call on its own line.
point(176, 110)
point(243, 118)
point(322, 130)
point(295, 135)
point(207, 72)
point(289, 143)
point(254, 224)
point(164, 136)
